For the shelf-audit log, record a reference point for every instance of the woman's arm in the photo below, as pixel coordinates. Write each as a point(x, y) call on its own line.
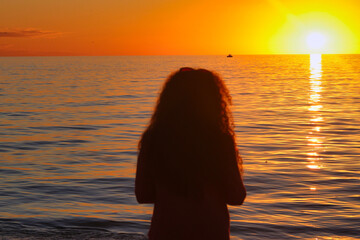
point(144, 181)
point(235, 191)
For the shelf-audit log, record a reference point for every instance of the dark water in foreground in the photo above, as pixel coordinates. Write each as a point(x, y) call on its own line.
point(69, 128)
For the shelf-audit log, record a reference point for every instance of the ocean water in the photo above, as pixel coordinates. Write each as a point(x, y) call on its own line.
point(69, 128)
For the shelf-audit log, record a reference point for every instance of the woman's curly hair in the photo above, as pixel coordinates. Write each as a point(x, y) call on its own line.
point(191, 132)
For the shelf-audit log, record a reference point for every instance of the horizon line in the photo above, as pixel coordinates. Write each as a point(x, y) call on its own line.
point(139, 55)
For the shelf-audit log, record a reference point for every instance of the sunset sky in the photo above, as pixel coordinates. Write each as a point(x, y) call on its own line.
point(178, 27)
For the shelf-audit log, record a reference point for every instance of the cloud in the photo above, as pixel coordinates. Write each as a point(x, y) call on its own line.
point(5, 45)
point(27, 33)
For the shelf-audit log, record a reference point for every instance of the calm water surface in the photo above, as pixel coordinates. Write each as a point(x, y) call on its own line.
point(69, 127)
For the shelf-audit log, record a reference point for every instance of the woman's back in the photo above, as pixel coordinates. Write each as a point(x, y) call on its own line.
point(188, 163)
point(179, 217)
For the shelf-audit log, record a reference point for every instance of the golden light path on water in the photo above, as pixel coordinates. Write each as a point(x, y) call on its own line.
point(314, 140)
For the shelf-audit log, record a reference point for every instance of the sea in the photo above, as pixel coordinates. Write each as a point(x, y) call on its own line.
point(69, 128)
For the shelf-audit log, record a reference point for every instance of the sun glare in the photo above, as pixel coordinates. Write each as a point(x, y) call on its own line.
point(316, 41)
point(314, 33)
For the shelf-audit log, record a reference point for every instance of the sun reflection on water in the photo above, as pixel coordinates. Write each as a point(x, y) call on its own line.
point(314, 140)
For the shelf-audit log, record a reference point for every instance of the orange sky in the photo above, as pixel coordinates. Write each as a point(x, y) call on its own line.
point(175, 27)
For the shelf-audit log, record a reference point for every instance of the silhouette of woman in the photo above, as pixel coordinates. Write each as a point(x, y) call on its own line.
point(188, 162)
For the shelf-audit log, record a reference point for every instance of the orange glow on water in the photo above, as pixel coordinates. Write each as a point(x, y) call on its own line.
point(315, 107)
point(309, 178)
point(313, 166)
point(312, 154)
point(314, 141)
point(317, 119)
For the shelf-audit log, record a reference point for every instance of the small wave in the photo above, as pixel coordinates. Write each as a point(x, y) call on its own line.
point(70, 234)
point(35, 145)
point(74, 127)
point(17, 147)
point(18, 114)
point(40, 229)
point(5, 172)
point(273, 231)
point(75, 141)
point(122, 96)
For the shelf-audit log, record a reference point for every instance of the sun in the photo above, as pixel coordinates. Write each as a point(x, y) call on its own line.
point(316, 41)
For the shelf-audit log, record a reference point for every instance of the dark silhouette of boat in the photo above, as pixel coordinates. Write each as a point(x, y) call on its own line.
point(229, 55)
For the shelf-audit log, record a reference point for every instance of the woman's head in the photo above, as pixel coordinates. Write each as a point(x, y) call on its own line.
point(193, 98)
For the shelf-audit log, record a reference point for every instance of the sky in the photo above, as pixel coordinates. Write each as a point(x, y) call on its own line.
point(178, 27)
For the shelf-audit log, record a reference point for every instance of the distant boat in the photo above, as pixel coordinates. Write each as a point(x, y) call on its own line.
point(229, 55)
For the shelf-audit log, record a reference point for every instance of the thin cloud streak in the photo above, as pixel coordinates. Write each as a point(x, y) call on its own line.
point(28, 33)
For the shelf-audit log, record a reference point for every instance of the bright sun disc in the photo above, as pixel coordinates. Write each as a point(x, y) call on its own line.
point(316, 41)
